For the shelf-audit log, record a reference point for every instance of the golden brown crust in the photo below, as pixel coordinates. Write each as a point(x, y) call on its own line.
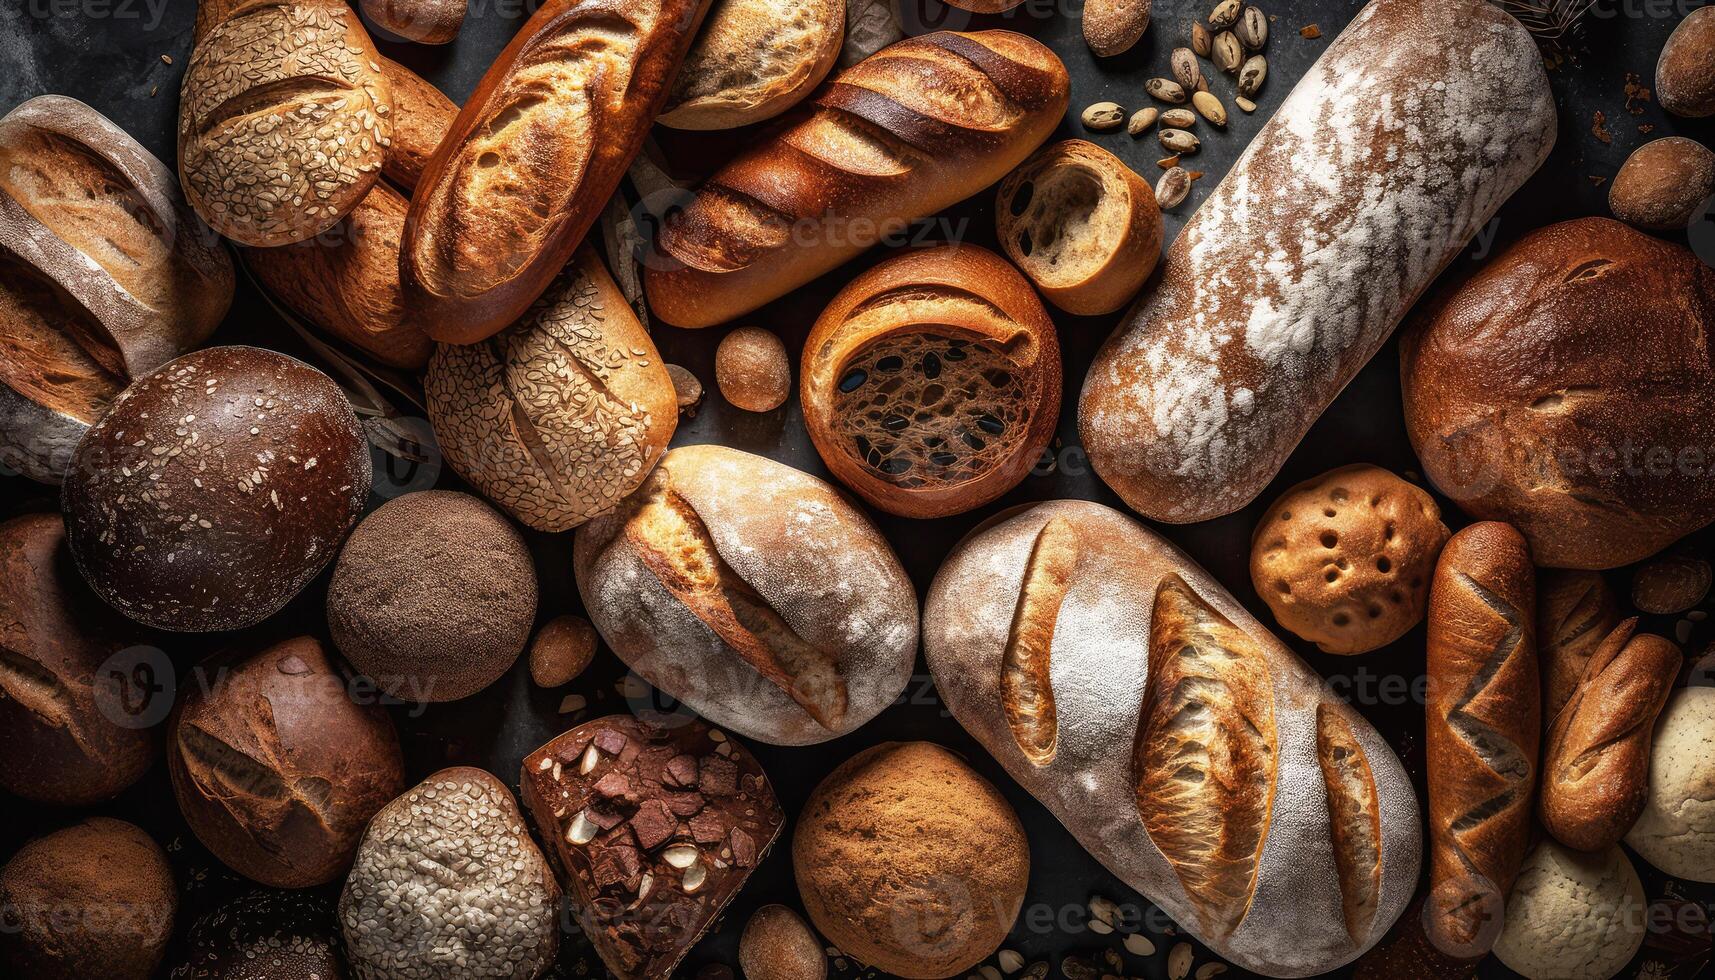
point(1027, 689)
point(753, 60)
point(1484, 730)
point(1595, 769)
point(1354, 816)
point(1575, 612)
point(931, 384)
point(422, 21)
point(422, 115)
point(1112, 26)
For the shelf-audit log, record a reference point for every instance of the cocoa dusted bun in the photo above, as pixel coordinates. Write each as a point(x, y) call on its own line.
point(1568, 389)
point(96, 899)
point(265, 935)
point(215, 489)
point(931, 384)
point(73, 734)
point(277, 768)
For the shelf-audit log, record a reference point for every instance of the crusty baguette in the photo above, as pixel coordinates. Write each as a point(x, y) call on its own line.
point(1484, 730)
point(422, 115)
point(912, 129)
point(1575, 612)
point(753, 60)
point(1184, 746)
point(534, 156)
point(1415, 125)
point(1595, 767)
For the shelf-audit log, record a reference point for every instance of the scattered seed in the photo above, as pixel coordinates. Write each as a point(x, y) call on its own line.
point(1251, 76)
point(1252, 29)
point(1208, 970)
point(1201, 39)
point(1310, 32)
point(1165, 90)
point(1210, 108)
point(1225, 14)
point(1010, 961)
point(1142, 119)
point(1179, 962)
point(1138, 944)
point(1167, 163)
point(1228, 54)
point(1172, 188)
point(1178, 141)
point(1185, 69)
point(1244, 103)
point(1104, 116)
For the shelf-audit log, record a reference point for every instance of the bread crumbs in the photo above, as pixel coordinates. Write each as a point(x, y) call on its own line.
point(1599, 127)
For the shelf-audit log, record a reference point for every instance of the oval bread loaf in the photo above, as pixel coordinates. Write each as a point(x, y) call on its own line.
point(560, 417)
point(915, 127)
point(1413, 128)
point(754, 593)
point(931, 384)
point(1184, 746)
point(753, 60)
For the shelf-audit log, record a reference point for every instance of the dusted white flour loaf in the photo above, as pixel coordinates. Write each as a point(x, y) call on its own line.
point(1401, 142)
point(1184, 746)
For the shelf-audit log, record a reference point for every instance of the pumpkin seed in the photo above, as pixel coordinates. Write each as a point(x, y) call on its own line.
point(1166, 90)
point(1104, 116)
point(1210, 108)
point(1171, 191)
point(1178, 141)
point(1253, 73)
point(1228, 54)
point(1141, 120)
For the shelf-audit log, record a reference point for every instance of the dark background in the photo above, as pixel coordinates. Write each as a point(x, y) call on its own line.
point(109, 53)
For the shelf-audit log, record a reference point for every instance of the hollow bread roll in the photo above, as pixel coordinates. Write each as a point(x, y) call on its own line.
point(1185, 747)
point(753, 60)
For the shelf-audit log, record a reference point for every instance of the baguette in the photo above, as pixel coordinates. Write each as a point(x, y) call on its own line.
point(421, 118)
point(914, 128)
point(1484, 730)
point(534, 156)
point(1595, 769)
point(1185, 747)
point(1575, 612)
point(1415, 125)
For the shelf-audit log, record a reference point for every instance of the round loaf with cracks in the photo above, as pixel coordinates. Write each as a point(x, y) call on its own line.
point(754, 593)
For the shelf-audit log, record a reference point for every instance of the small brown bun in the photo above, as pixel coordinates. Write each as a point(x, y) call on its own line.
point(563, 649)
point(777, 945)
point(752, 370)
point(1663, 184)
point(911, 862)
point(1685, 74)
point(433, 596)
point(93, 900)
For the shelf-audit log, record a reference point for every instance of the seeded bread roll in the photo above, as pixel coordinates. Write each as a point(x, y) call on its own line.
point(1575, 612)
point(915, 127)
point(753, 60)
point(754, 593)
point(559, 417)
point(1082, 225)
point(284, 120)
point(931, 384)
point(1412, 129)
point(105, 275)
point(1187, 749)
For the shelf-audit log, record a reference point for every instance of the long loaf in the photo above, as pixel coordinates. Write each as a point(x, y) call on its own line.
point(1398, 145)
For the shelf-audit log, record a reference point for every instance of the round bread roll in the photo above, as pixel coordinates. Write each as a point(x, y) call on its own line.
point(73, 734)
point(433, 596)
point(1082, 225)
point(753, 60)
point(93, 900)
point(777, 945)
point(215, 489)
point(1663, 184)
point(265, 935)
point(754, 593)
point(1568, 389)
point(276, 768)
point(1344, 560)
point(931, 384)
point(561, 415)
point(910, 861)
point(449, 883)
point(1685, 73)
point(752, 370)
point(1572, 915)
point(1676, 831)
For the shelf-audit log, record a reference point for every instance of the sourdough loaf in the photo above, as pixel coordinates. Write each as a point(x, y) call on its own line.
point(1191, 752)
point(753, 60)
point(752, 592)
point(917, 126)
point(1401, 141)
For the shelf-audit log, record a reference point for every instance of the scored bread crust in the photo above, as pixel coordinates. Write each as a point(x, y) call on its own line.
point(1082, 225)
point(1272, 898)
point(752, 592)
point(1575, 612)
point(753, 60)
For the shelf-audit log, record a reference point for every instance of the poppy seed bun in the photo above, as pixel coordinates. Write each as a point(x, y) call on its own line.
point(433, 596)
point(910, 861)
point(753, 60)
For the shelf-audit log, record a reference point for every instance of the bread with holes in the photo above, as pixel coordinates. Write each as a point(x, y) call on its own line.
point(1190, 751)
point(1484, 733)
point(914, 128)
point(754, 593)
point(753, 60)
point(931, 384)
point(1344, 559)
point(1568, 388)
point(1082, 225)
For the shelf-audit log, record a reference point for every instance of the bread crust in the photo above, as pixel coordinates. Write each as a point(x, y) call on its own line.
point(1575, 612)
point(753, 60)
point(1111, 27)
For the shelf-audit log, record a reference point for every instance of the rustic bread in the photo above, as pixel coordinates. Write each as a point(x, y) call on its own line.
point(1191, 752)
point(1676, 831)
point(1194, 403)
point(1082, 225)
point(422, 115)
point(931, 383)
point(423, 21)
point(752, 592)
point(534, 156)
point(1112, 26)
point(105, 275)
point(560, 417)
point(1595, 763)
point(912, 129)
point(1574, 916)
point(1575, 612)
point(1344, 559)
point(1484, 731)
point(753, 60)
point(1599, 451)
point(1663, 184)
point(285, 118)
point(1685, 72)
